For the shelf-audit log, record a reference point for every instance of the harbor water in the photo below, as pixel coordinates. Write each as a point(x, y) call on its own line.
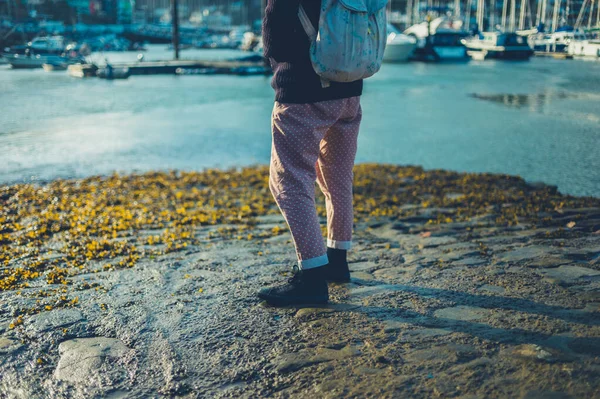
point(537, 119)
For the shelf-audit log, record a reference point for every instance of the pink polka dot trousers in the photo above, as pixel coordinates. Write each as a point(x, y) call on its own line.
point(315, 141)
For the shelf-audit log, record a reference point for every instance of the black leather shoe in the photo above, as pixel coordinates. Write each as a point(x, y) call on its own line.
point(305, 287)
point(336, 271)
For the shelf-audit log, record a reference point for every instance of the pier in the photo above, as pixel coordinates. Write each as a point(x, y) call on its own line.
point(180, 67)
point(171, 67)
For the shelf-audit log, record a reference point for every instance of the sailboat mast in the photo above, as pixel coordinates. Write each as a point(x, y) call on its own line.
point(492, 15)
point(513, 10)
point(416, 12)
point(581, 13)
point(456, 8)
point(543, 13)
point(522, 14)
point(555, 15)
point(175, 26)
point(504, 6)
point(480, 10)
point(591, 13)
point(468, 14)
point(529, 17)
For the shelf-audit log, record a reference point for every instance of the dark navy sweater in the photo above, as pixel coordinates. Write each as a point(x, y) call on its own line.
point(286, 45)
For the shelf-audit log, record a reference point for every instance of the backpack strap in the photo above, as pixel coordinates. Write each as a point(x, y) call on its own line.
point(308, 26)
point(312, 34)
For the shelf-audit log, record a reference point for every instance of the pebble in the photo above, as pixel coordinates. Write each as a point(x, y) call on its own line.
point(362, 266)
point(87, 360)
point(469, 261)
point(305, 313)
point(423, 333)
point(570, 273)
point(58, 318)
point(492, 288)
point(8, 345)
point(290, 362)
point(462, 313)
point(538, 353)
point(533, 256)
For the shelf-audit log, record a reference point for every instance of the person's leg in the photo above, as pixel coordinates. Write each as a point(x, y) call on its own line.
point(335, 178)
point(297, 132)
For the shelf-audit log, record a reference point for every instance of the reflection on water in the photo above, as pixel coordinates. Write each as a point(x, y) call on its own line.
point(535, 102)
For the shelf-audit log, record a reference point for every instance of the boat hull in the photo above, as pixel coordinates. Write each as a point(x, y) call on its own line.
point(555, 48)
point(398, 52)
point(18, 61)
point(441, 54)
point(498, 45)
point(454, 53)
point(585, 48)
point(509, 55)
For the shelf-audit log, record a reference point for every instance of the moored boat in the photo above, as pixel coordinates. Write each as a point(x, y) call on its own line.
point(20, 61)
point(399, 47)
point(41, 50)
point(438, 40)
point(555, 42)
point(584, 48)
point(505, 46)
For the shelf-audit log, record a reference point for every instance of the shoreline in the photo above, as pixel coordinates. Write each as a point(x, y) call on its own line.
point(532, 183)
point(459, 280)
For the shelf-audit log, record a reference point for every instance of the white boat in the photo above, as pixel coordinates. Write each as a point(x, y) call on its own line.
point(399, 47)
point(584, 48)
point(438, 41)
point(555, 42)
point(505, 46)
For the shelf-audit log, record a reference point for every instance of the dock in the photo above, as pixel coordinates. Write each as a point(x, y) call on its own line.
point(558, 56)
point(228, 67)
point(171, 67)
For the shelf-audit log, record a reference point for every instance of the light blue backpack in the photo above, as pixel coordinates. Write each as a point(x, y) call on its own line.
point(350, 39)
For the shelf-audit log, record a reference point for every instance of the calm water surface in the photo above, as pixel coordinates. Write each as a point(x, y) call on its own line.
point(539, 119)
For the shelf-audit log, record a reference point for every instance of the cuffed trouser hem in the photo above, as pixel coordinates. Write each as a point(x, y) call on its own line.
point(339, 244)
point(313, 262)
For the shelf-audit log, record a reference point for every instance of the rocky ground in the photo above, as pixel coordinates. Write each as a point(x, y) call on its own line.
point(463, 285)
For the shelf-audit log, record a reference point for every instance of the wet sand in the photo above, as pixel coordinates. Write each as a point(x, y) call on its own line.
point(463, 285)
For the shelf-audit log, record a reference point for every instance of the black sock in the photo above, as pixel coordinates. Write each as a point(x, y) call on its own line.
point(336, 256)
